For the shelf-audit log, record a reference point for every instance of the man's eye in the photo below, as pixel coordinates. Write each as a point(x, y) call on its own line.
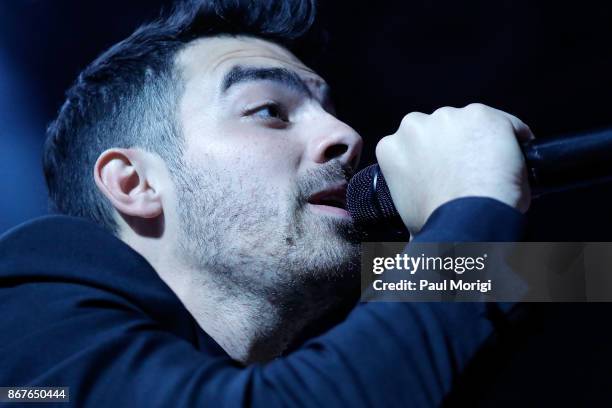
point(270, 111)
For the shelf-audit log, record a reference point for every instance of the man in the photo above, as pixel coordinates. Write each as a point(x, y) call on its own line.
point(212, 153)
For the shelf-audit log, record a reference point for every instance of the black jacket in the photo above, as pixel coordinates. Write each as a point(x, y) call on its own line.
point(82, 309)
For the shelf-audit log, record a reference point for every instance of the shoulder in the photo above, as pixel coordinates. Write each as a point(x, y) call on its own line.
point(56, 268)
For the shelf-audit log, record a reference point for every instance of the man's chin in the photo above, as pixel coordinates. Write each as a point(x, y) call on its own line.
point(336, 227)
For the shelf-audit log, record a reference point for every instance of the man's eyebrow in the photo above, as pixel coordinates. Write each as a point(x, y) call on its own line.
point(283, 76)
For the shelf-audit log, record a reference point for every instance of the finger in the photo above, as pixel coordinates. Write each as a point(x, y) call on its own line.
point(413, 117)
point(521, 130)
point(444, 110)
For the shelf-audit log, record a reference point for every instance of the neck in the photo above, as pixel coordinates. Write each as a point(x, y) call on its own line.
point(250, 327)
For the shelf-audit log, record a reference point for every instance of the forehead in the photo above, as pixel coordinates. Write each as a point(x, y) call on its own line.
point(210, 58)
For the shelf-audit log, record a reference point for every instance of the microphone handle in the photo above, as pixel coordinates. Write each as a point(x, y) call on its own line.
point(566, 162)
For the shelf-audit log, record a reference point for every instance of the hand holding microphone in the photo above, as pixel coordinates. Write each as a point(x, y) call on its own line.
point(453, 153)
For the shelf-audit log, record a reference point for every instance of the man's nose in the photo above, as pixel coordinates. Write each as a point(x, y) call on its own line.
point(336, 140)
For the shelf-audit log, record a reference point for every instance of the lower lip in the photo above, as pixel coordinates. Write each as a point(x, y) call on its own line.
point(328, 209)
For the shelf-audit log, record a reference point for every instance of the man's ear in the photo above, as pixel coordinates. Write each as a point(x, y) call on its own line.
point(121, 176)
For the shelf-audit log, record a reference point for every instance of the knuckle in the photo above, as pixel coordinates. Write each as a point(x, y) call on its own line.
point(479, 111)
point(476, 108)
point(410, 118)
point(381, 147)
point(443, 111)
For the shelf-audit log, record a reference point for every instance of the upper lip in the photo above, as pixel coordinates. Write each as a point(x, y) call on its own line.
point(334, 196)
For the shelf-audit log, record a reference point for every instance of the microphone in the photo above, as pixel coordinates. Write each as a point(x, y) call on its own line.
point(554, 164)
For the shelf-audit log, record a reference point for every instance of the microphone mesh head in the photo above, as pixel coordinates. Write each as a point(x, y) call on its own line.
point(385, 202)
point(367, 197)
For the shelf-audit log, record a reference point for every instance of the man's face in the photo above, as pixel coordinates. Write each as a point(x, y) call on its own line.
point(265, 168)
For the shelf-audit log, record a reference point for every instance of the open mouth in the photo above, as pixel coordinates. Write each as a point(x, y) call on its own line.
point(331, 200)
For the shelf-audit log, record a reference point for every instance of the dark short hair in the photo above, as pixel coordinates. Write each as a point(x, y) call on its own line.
point(128, 96)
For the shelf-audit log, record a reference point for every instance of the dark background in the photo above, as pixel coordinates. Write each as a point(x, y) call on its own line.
point(549, 63)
